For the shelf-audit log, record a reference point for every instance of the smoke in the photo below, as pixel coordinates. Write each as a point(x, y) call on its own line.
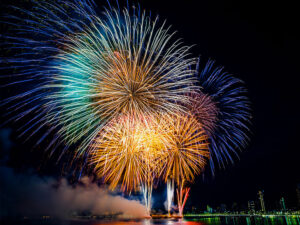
point(31, 195)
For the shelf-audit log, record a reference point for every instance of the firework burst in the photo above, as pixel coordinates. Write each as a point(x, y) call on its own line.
point(128, 152)
point(231, 128)
point(187, 147)
point(186, 154)
point(82, 70)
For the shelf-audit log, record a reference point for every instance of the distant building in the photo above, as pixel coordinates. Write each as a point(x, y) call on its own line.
point(298, 195)
point(262, 202)
point(209, 209)
point(282, 204)
point(251, 207)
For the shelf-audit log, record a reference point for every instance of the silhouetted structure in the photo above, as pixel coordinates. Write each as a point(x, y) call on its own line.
point(282, 204)
point(251, 207)
point(209, 209)
point(262, 202)
point(298, 195)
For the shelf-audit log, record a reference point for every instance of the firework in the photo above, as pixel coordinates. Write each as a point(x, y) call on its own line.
point(182, 195)
point(129, 152)
point(82, 70)
point(187, 148)
point(170, 194)
point(126, 153)
point(187, 152)
point(230, 129)
point(115, 87)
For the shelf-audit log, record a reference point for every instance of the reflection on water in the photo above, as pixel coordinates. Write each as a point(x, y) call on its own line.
point(291, 220)
point(212, 221)
point(288, 220)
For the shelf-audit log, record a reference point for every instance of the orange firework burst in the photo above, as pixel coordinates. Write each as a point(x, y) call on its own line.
point(186, 156)
point(187, 147)
point(128, 152)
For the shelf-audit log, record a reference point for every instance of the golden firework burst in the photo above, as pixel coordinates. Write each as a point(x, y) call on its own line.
point(187, 151)
point(128, 152)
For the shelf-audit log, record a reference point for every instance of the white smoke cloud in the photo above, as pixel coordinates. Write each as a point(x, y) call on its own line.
point(30, 195)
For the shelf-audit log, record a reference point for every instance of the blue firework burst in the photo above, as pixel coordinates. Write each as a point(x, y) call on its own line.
point(231, 129)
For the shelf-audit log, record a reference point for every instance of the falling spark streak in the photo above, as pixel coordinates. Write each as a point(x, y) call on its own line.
point(170, 194)
point(182, 195)
point(147, 194)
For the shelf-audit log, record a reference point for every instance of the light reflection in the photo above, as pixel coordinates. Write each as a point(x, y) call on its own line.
point(222, 220)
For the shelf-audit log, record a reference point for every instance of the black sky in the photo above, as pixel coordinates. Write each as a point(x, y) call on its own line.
point(257, 42)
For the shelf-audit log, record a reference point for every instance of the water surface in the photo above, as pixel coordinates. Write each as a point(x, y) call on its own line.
point(284, 220)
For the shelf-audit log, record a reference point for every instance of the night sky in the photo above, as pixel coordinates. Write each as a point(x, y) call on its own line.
point(257, 43)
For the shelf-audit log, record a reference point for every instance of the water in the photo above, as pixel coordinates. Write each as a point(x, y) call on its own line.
point(288, 220)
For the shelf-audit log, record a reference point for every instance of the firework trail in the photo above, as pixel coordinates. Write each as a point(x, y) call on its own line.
point(170, 194)
point(182, 195)
point(79, 70)
point(223, 108)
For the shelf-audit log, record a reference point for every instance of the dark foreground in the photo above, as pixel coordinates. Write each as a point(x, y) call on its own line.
point(290, 220)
